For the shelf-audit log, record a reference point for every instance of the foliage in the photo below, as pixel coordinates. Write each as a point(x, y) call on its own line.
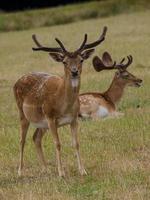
point(68, 14)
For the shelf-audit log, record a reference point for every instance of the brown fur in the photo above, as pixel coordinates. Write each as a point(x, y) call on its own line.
point(42, 91)
point(50, 101)
point(109, 98)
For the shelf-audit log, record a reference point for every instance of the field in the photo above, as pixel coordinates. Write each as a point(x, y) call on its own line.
point(116, 152)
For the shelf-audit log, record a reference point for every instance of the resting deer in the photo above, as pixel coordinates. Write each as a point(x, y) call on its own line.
point(49, 101)
point(100, 105)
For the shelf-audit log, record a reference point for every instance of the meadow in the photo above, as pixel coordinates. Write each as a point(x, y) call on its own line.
point(116, 152)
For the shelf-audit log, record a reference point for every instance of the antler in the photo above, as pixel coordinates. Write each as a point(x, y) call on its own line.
point(107, 64)
point(61, 45)
point(47, 49)
point(62, 49)
point(97, 42)
point(122, 66)
point(104, 64)
point(85, 46)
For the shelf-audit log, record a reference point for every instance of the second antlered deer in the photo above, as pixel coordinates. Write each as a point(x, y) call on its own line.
point(99, 105)
point(50, 101)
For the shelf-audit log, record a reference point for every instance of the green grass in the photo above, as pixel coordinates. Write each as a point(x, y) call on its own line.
point(116, 152)
point(67, 14)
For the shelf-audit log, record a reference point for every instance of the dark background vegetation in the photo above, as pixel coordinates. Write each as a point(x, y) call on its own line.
point(15, 5)
point(18, 15)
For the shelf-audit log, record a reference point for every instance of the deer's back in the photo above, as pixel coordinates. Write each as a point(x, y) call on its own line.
point(32, 84)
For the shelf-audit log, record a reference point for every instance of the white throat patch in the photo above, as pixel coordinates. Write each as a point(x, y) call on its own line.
point(74, 82)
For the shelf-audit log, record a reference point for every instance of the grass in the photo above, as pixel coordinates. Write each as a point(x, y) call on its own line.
point(68, 14)
point(116, 152)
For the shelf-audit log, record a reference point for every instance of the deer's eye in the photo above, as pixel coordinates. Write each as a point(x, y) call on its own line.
point(81, 61)
point(64, 62)
point(126, 75)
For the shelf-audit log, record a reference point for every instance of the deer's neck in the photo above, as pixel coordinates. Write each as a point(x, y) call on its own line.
point(115, 91)
point(71, 89)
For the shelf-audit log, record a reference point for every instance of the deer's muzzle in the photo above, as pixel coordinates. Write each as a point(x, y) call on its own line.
point(74, 73)
point(138, 83)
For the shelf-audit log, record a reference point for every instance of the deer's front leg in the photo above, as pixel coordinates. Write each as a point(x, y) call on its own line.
point(53, 127)
point(75, 143)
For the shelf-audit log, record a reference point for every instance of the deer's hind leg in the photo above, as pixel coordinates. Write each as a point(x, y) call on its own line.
point(37, 138)
point(23, 132)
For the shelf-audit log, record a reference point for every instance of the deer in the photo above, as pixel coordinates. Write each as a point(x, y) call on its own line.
point(49, 101)
point(96, 105)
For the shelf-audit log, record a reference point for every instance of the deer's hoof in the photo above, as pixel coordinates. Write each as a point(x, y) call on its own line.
point(83, 172)
point(61, 173)
point(19, 172)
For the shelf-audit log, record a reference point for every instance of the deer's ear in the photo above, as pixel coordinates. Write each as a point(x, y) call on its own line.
point(57, 57)
point(86, 54)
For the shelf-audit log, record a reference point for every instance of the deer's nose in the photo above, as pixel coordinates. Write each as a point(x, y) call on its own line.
point(74, 73)
point(140, 80)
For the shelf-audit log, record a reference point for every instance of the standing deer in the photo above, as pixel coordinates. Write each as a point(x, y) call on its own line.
point(49, 101)
point(99, 105)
